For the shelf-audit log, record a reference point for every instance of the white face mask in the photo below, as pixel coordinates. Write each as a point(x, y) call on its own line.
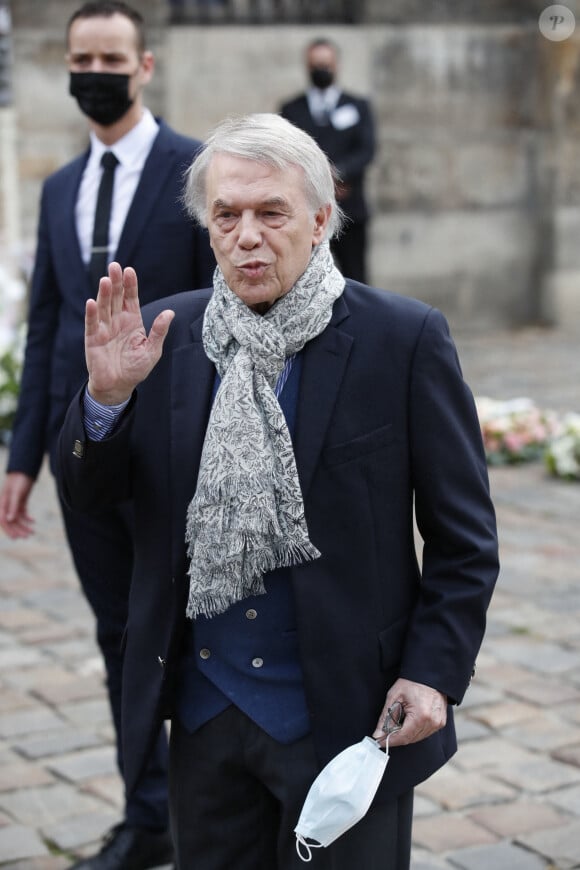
point(340, 795)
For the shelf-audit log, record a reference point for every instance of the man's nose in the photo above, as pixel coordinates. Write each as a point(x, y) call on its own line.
point(250, 234)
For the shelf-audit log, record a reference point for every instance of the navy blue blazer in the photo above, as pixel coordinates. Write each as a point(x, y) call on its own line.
point(384, 421)
point(350, 149)
point(169, 252)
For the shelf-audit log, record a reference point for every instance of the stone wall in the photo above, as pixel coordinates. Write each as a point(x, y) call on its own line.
point(476, 186)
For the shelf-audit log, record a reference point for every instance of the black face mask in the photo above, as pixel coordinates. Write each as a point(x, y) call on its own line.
point(104, 97)
point(321, 77)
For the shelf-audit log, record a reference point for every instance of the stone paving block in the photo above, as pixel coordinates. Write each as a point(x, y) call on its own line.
point(478, 695)
point(422, 806)
point(47, 805)
point(545, 692)
point(444, 833)
point(50, 862)
point(108, 788)
point(502, 856)
point(73, 651)
point(75, 689)
point(568, 754)
point(77, 832)
point(561, 845)
point(454, 789)
point(33, 678)
point(506, 712)
point(546, 732)
point(31, 721)
point(546, 658)
point(567, 799)
point(491, 752)
point(521, 816)
point(19, 657)
point(49, 632)
point(12, 699)
point(17, 619)
point(57, 743)
point(423, 860)
point(85, 764)
point(543, 776)
point(505, 676)
point(17, 842)
point(467, 729)
point(23, 775)
point(87, 714)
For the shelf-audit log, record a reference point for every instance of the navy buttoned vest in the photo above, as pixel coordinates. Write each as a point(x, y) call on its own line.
point(248, 656)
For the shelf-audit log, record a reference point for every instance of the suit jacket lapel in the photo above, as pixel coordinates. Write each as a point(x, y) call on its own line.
point(192, 378)
point(323, 366)
point(65, 230)
point(157, 167)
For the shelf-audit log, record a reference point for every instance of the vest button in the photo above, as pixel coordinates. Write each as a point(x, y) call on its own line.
point(251, 613)
point(204, 653)
point(257, 662)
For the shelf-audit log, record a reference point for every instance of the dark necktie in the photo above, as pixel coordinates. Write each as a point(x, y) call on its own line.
point(100, 249)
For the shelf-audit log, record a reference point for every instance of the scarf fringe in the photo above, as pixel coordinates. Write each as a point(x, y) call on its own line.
point(209, 596)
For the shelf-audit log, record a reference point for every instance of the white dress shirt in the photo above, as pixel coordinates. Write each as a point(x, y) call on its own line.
point(322, 102)
point(131, 151)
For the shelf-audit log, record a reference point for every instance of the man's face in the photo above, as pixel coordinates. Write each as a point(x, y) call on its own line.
point(108, 45)
point(262, 229)
point(322, 57)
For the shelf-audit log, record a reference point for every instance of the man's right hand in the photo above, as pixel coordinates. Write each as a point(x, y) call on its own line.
point(14, 516)
point(119, 353)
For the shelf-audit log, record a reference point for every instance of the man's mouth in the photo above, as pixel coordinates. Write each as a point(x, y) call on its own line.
point(253, 268)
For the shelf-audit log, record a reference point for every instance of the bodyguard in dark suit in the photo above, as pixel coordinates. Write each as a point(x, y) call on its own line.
point(277, 435)
point(343, 126)
point(147, 227)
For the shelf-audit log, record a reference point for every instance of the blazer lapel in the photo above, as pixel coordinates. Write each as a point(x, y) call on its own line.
point(157, 167)
point(323, 366)
point(67, 247)
point(192, 378)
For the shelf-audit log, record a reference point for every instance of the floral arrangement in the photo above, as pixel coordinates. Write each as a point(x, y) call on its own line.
point(12, 339)
point(514, 430)
point(562, 456)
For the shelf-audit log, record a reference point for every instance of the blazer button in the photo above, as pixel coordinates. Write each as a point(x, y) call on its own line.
point(251, 613)
point(79, 449)
point(204, 653)
point(257, 662)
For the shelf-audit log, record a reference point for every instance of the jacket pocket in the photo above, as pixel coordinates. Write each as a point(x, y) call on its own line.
point(360, 446)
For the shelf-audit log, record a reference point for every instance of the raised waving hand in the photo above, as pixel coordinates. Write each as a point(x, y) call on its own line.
point(119, 352)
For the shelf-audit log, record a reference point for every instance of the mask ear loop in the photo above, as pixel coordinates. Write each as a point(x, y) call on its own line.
point(301, 843)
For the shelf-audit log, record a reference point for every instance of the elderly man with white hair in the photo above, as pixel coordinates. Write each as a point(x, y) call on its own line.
point(277, 435)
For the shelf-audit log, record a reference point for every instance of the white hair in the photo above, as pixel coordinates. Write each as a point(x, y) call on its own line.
point(269, 139)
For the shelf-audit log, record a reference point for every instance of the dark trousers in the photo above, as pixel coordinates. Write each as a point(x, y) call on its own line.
point(349, 250)
point(235, 797)
point(102, 552)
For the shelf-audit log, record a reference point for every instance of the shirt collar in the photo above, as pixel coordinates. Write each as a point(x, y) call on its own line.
point(131, 150)
point(323, 99)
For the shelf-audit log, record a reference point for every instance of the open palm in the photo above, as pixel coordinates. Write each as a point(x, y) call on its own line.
point(119, 352)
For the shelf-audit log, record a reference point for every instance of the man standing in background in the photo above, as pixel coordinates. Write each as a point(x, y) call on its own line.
point(343, 126)
point(119, 200)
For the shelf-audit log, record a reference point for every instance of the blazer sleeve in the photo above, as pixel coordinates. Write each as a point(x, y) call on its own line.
point(92, 475)
point(455, 518)
point(363, 145)
point(29, 443)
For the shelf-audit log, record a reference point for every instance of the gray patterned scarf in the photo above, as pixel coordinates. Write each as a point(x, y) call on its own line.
point(247, 514)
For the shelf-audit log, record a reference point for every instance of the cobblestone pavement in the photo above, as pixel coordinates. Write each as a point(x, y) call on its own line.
point(509, 800)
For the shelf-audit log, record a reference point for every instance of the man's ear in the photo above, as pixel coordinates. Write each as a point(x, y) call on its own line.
point(321, 219)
